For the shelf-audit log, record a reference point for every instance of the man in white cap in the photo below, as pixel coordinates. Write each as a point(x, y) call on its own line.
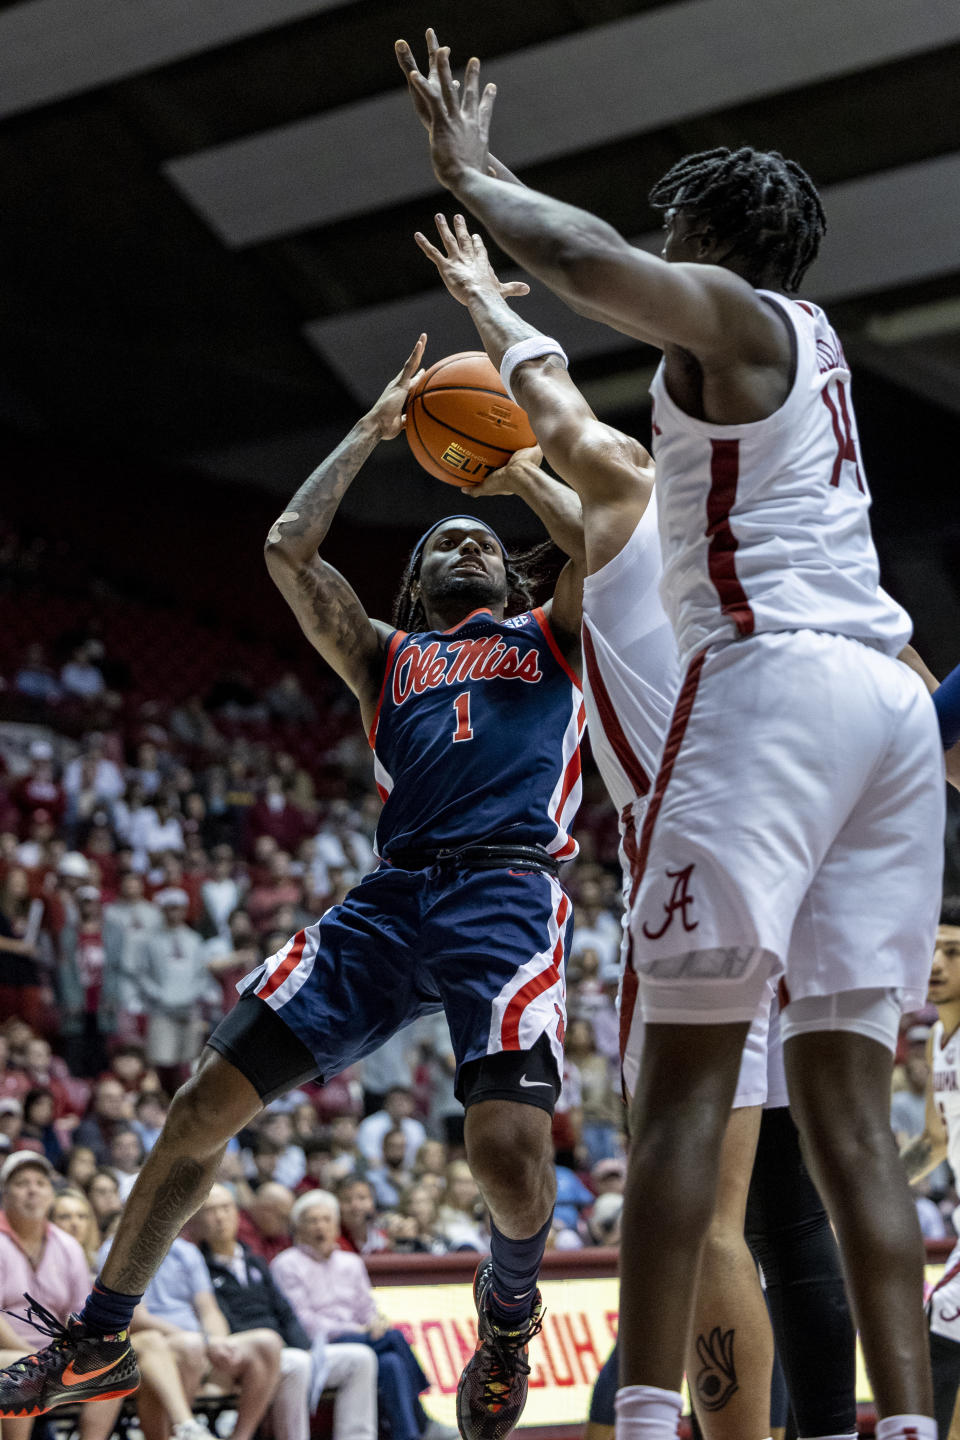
point(173, 978)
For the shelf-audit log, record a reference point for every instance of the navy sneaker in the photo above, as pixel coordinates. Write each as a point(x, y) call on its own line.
point(493, 1387)
point(77, 1366)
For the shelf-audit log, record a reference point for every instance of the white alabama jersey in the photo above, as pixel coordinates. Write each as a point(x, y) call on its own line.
point(945, 1078)
point(631, 671)
point(765, 526)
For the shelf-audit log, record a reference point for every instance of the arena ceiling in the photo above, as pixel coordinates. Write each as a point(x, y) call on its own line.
point(208, 205)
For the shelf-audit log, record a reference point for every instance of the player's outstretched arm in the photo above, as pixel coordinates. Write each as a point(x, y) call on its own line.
point(925, 1151)
point(610, 472)
point(702, 308)
point(946, 699)
point(327, 607)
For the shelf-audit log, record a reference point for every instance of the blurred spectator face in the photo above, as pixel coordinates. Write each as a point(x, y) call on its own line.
point(130, 1065)
point(318, 1166)
point(71, 1212)
point(110, 1100)
point(241, 930)
point(104, 1196)
point(609, 1177)
point(174, 915)
point(81, 1165)
point(151, 1111)
point(222, 862)
point(357, 1205)
point(264, 847)
point(580, 1038)
point(343, 1132)
point(27, 1195)
point(431, 1158)
point(19, 1035)
point(319, 1229)
point(126, 1153)
point(265, 1161)
point(4, 1052)
point(88, 904)
point(17, 885)
point(305, 1122)
point(271, 1209)
point(399, 1105)
point(147, 756)
point(37, 1055)
point(278, 1128)
point(38, 1109)
point(421, 1205)
point(219, 1219)
point(462, 1191)
point(131, 887)
point(394, 1149)
point(11, 1121)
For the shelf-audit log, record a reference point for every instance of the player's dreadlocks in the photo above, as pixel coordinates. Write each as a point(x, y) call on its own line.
point(528, 572)
point(766, 207)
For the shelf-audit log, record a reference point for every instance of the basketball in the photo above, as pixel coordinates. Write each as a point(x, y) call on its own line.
point(460, 421)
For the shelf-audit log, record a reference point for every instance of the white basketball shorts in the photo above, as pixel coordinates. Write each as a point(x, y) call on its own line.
point(795, 830)
point(943, 1307)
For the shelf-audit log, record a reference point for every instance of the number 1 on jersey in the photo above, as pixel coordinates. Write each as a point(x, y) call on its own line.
point(461, 708)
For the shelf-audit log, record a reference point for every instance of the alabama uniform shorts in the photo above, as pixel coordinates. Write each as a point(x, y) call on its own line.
point(795, 830)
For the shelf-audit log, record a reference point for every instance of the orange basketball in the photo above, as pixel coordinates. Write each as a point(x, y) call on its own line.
point(461, 423)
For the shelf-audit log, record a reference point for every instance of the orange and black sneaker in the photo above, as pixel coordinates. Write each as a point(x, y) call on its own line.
point(77, 1366)
point(493, 1387)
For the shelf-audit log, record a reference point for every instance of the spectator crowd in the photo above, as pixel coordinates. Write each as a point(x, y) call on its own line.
point(156, 845)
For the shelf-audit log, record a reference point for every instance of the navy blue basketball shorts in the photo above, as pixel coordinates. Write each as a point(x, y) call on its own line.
point(487, 946)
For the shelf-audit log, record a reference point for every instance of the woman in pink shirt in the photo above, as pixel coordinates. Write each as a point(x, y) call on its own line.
point(330, 1291)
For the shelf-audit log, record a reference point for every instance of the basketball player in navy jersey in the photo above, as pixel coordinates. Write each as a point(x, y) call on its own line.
point(474, 713)
point(630, 679)
point(830, 773)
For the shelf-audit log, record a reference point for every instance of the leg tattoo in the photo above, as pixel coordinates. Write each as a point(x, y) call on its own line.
point(716, 1382)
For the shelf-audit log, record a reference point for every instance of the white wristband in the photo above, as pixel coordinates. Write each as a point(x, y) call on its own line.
point(535, 347)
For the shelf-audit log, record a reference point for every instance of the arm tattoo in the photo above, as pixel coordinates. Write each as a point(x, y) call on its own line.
point(305, 522)
point(174, 1201)
point(917, 1157)
point(716, 1382)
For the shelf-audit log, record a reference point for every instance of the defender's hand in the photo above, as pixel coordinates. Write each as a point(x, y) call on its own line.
point(458, 119)
point(512, 478)
point(465, 269)
point(387, 413)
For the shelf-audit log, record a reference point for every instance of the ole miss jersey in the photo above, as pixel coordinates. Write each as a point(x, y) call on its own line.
point(477, 737)
point(765, 526)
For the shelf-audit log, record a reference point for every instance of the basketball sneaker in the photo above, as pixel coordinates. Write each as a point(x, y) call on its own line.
point(493, 1387)
point(77, 1366)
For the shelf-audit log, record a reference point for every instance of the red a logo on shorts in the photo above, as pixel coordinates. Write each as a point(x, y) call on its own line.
point(679, 900)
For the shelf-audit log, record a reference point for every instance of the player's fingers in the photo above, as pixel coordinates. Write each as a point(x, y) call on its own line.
point(485, 108)
point(431, 251)
point(471, 87)
point(445, 76)
point(405, 57)
point(515, 287)
point(447, 236)
point(413, 359)
point(463, 234)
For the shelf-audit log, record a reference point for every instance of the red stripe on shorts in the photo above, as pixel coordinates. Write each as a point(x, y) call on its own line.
point(510, 1025)
point(287, 965)
point(721, 555)
point(612, 728)
point(678, 727)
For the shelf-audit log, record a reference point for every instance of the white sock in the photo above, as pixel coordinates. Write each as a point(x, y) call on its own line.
point(907, 1427)
point(644, 1412)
